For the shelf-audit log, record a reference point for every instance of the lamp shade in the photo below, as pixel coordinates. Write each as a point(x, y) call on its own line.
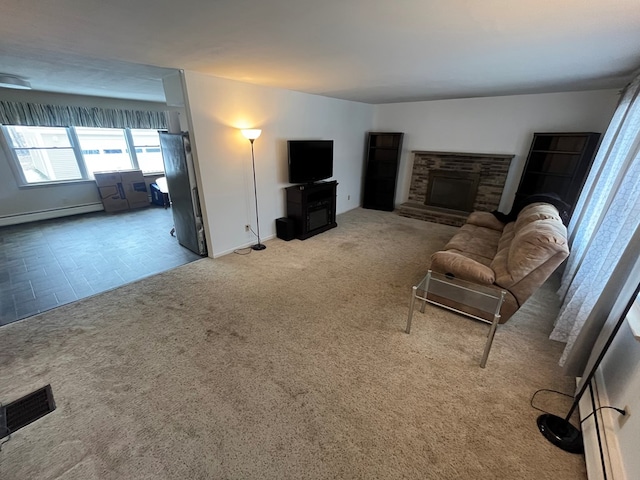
point(251, 133)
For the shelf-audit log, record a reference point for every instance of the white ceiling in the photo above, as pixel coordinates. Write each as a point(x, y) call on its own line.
point(374, 51)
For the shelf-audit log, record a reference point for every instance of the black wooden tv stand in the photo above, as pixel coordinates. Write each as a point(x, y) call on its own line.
point(312, 207)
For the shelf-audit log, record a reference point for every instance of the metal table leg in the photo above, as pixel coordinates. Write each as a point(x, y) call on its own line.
point(414, 289)
point(492, 332)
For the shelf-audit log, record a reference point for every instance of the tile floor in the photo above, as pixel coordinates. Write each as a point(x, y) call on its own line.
point(53, 262)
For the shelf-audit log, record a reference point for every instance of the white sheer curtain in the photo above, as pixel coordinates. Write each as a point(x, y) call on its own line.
point(603, 227)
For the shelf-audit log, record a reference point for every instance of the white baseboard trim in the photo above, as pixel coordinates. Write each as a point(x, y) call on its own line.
point(245, 245)
point(49, 214)
point(608, 439)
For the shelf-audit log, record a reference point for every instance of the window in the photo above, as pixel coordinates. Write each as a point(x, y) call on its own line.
point(147, 147)
point(44, 154)
point(110, 146)
point(63, 154)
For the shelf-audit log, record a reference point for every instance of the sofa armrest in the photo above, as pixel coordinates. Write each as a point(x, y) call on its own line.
point(464, 268)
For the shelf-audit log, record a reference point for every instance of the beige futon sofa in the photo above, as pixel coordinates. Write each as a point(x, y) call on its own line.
point(516, 257)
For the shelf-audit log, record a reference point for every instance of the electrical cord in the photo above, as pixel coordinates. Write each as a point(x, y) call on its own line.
point(8, 438)
point(546, 390)
point(239, 251)
point(621, 411)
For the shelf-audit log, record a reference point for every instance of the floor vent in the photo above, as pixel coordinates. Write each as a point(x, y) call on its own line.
point(25, 410)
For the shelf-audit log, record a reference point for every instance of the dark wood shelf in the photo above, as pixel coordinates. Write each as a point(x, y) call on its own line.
point(547, 172)
point(383, 151)
point(559, 152)
point(551, 174)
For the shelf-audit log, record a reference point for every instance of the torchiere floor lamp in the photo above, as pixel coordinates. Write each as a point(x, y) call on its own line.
point(251, 135)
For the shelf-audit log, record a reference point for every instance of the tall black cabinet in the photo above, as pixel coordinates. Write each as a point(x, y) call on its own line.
point(382, 160)
point(558, 163)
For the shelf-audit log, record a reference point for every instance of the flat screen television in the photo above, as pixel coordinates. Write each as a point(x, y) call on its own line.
point(310, 160)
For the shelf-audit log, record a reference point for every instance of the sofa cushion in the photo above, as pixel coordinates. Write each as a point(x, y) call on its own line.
point(507, 236)
point(461, 266)
point(485, 219)
point(476, 241)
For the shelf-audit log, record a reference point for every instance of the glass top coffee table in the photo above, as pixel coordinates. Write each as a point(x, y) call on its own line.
point(435, 288)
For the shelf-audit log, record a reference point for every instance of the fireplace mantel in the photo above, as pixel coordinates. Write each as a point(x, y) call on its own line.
point(463, 154)
point(491, 168)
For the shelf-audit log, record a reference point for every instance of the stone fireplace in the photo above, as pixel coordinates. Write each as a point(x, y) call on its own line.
point(447, 186)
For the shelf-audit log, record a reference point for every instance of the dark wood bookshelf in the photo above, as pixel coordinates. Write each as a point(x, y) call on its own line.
point(558, 163)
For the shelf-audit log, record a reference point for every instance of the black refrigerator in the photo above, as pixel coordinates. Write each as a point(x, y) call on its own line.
point(183, 191)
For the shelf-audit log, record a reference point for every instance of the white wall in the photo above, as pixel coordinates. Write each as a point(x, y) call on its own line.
point(491, 125)
point(218, 108)
point(20, 203)
point(620, 373)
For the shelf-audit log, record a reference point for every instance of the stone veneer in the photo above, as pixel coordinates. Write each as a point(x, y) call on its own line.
point(492, 168)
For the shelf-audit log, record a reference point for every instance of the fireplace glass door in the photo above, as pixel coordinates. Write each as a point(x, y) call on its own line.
point(452, 190)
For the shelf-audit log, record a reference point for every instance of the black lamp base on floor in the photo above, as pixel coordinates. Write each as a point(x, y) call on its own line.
point(561, 433)
point(258, 246)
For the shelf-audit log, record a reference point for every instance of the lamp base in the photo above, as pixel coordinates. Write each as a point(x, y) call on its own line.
point(258, 246)
point(561, 433)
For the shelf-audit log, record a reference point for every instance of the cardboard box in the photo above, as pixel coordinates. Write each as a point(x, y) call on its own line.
point(136, 194)
point(135, 188)
point(113, 198)
point(122, 190)
point(130, 176)
point(107, 179)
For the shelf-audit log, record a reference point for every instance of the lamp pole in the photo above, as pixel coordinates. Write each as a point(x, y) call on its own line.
point(257, 246)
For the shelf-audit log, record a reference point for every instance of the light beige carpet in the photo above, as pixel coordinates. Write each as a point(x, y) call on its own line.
point(290, 363)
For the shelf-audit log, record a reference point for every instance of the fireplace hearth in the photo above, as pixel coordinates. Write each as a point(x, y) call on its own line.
point(447, 186)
